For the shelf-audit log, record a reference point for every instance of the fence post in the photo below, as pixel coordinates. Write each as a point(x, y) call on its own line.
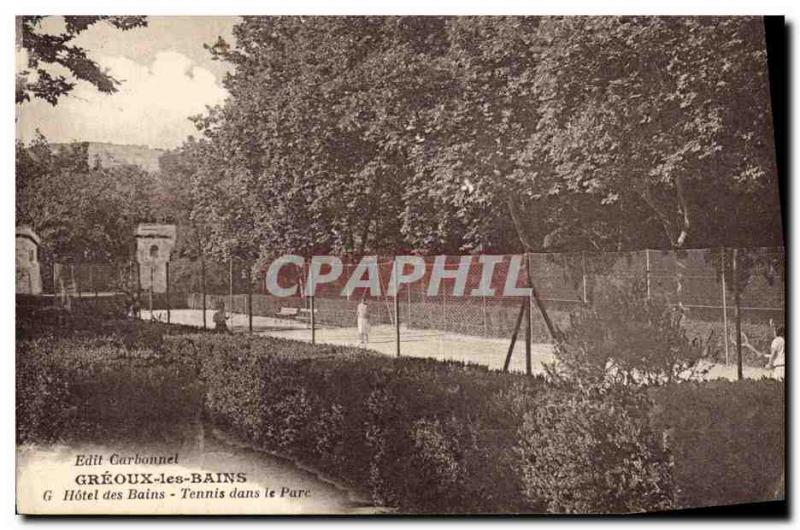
point(75, 284)
point(554, 331)
point(725, 308)
point(152, 278)
point(203, 287)
point(92, 284)
point(444, 307)
point(738, 316)
point(583, 269)
point(230, 289)
point(138, 289)
point(485, 318)
point(313, 320)
point(408, 314)
point(250, 299)
point(166, 272)
point(528, 367)
point(396, 308)
point(647, 271)
point(514, 335)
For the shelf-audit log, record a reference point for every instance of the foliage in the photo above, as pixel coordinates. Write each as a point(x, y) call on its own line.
point(420, 435)
point(82, 389)
point(45, 50)
point(625, 336)
point(590, 449)
point(66, 199)
point(493, 134)
point(669, 112)
point(42, 389)
point(91, 323)
point(308, 149)
point(727, 438)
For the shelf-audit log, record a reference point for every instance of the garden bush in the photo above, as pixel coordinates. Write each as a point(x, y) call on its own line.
point(428, 436)
point(727, 439)
point(630, 338)
point(42, 394)
point(110, 382)
point(419, 435)
point(591, 449)
point(133, 333)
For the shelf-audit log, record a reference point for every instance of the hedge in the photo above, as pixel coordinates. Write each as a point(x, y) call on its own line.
point(104, 383)
point(419, 435)
point(727, 439)
point(425, 435)
point(422, 435)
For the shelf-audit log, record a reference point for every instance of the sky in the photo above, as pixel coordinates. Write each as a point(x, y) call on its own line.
point(166, 77)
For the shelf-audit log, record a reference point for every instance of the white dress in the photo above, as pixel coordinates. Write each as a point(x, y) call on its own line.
point(777, 348)
point(363, 318)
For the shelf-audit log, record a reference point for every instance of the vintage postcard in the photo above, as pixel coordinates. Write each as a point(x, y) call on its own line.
point(392, 265)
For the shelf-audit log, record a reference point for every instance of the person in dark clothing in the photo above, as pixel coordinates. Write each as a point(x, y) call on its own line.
point(220, 320)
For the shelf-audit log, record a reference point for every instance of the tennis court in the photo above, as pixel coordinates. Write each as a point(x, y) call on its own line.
point(425, 343)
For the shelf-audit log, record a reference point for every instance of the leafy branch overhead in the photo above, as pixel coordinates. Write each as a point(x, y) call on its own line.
point(55, 64)
point(460, 134)
point(392, 135)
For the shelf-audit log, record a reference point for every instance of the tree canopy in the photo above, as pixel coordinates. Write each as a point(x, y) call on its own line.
point(72, 64)
point(362, 135)
point(83, 211)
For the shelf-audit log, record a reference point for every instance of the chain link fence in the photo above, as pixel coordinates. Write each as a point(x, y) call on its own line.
point(466, 317)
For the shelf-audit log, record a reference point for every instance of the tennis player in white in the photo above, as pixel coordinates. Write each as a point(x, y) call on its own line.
point(777, 355)
point(362, 312)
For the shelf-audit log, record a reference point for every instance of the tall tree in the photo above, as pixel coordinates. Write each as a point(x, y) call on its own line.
point(394, 134)
point(67, 200)
point(45, 50)
point(671, 113)
point(305, 156)
point(605, 132)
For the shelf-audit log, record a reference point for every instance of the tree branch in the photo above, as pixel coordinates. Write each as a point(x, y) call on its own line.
point(684, 210)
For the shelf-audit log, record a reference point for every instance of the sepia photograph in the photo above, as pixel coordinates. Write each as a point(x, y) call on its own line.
point(373, 265)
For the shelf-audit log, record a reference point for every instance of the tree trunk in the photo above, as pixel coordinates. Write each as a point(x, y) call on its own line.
point(522, 234)
point(677, 232)
point(684, 211)
point(362, 245)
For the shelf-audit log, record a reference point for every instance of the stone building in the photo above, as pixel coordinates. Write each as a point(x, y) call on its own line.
point(29, 276)
point(154, 244)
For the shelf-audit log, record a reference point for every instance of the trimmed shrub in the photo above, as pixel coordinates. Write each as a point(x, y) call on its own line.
point(629, 338)
point(428, 436)
point(420, 435)
point(592, 450)
point(102, 387)
point(43, 405)
point(727, 439)
point(132, 333)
